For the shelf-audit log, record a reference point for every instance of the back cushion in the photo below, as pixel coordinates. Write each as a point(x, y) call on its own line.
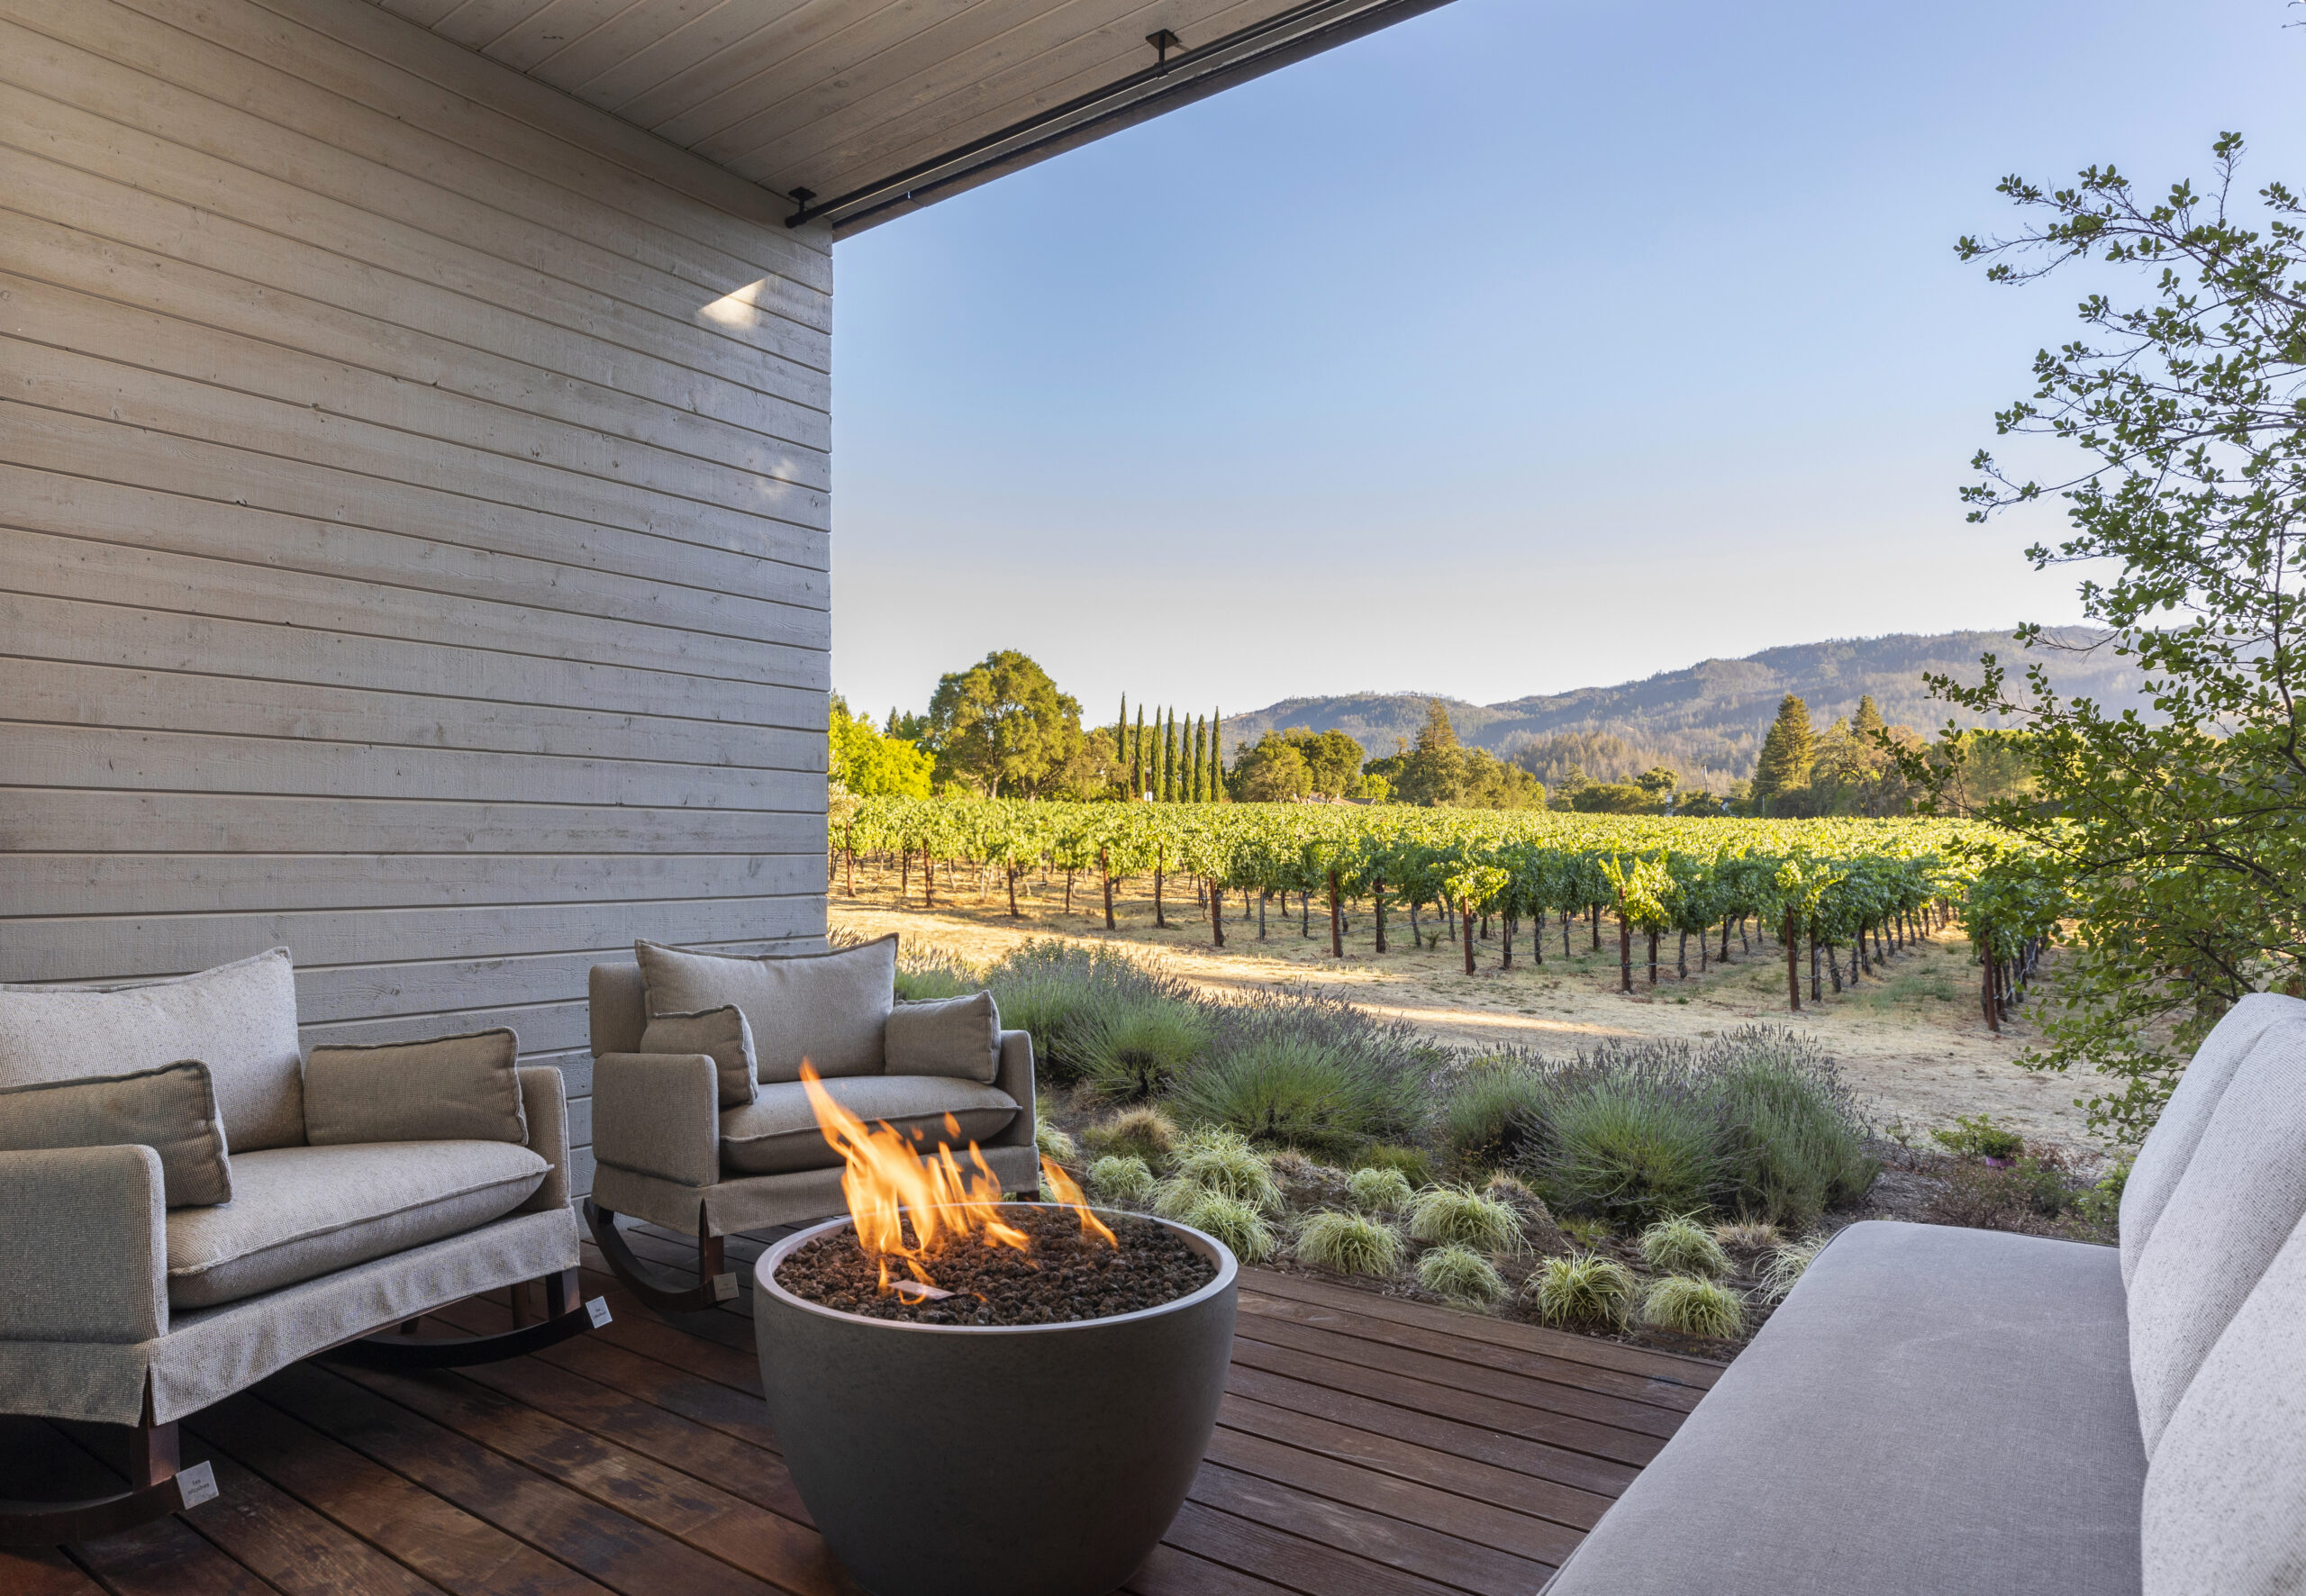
point(828, 1008)
point(240, 1019)
point(2170, 1147)
point(2225, 1511)
point(2241, 1195)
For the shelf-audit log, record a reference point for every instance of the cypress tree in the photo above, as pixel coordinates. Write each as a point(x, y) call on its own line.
point(1169, 758)
point(1217, 792)
point(1200, 741)
point(1137, 759)
point(1121, 736)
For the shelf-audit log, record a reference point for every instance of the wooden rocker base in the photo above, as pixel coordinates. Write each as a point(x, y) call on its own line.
point(157, 1485)
point(563, 1317)
point(714, 1285)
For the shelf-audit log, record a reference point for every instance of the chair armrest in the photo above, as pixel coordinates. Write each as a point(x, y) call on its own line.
point(84, 1247)
point(1014, 1076)
point(544, 1104)
point(659, 1114)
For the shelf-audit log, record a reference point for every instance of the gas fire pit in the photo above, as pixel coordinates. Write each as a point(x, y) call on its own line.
point(942, 1452)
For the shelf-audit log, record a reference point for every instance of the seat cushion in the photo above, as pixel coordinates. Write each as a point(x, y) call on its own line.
point(461, 1088)
point(2170, 1146)
point(958, 1036)
point(777, 1134)
point(826, 1008)
point(2226, 1494)
point(171, 1111)
point(2241, 1195)
point(1932, 1412)
point(240, 1019)
point(300, 1212)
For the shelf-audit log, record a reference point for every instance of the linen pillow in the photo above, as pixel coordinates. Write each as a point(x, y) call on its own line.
point(959, 1036)
point(722, 1034)
point(171, 1109)
point(240, 1019)
point(461, 1088)
point(828, 1008)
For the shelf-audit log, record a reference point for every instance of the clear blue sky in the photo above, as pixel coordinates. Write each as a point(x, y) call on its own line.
point(1520, 347)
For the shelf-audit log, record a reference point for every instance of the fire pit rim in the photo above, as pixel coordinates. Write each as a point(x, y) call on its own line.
point(1228, 1269)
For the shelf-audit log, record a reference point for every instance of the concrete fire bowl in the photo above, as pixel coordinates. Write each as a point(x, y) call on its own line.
point(1032, 1460)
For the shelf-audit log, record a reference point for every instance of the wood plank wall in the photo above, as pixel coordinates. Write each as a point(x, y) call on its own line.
point(413, 524)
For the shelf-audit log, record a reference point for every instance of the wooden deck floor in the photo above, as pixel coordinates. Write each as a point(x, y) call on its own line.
point(1368, 1446)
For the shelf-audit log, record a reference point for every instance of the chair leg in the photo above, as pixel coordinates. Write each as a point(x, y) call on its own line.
point(565, 1316)
point(715, 1284)
point(157, 1485)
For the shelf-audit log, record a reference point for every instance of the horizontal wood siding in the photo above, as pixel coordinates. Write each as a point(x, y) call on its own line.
point(413, 524)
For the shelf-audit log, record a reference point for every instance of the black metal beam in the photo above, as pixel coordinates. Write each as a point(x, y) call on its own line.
point(1293, 35)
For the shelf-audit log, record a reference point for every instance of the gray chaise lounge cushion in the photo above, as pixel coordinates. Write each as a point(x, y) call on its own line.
point(240, 1019)
point(171, 1109)
point(778, 1134)
point(300, 1212)
point(958, 1037)
point(461, 1088)
point(720, 1034)
point(1932, 1412)
point(828, 1008)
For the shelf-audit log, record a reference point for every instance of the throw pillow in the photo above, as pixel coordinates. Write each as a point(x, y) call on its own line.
point(828, 1008)
point(957, 1036)
point(722, 1034)
point(171, 1109)
point(463, 1088)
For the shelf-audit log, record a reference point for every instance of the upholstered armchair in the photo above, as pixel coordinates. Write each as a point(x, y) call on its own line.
point(701, 1124)
point(192, 1204)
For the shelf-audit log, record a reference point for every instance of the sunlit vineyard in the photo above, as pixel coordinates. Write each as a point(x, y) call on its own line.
point(1856, 887)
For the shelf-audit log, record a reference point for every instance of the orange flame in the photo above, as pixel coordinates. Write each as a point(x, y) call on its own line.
point(1069, 1194)
point(888, 1182)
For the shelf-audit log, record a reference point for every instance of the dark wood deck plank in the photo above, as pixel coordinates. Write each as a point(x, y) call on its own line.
point(166, 1558)
point(301, 1554)
point(43, 1571)
point(1295, 1562)
point(1169, 1572)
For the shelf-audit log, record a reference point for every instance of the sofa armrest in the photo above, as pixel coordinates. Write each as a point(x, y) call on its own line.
point(84, 1249)
point(1014, 1076)
point(659, 1114)
point(544, 1104)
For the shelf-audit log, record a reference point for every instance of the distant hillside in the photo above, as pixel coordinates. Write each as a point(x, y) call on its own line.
point(1709, 719)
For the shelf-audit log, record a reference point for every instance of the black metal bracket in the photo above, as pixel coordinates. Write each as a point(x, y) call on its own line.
point(800, 198)
point(1164, 42)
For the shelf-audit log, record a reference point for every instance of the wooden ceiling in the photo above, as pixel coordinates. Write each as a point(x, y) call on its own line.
point(862, 101)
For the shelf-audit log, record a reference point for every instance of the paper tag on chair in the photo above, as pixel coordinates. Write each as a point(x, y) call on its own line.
point(598, 1307)
point(196, 1484)
point(724, 1288)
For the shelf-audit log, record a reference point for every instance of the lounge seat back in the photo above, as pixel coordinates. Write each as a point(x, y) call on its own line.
point(619, 1009)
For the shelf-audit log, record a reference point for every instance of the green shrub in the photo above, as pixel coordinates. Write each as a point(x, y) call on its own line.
point(1463, 1217)
point(1349, 1243)
point(1692, 1307)
point(1415, 1165)
point(1583, 1289)
point(932, 973)
point(1053, 1143)
point(1379, 1191)
point(1129, 1046)
point(1305, 1070)
point(2101, 1204)
point(1055, 989)
point(1587, 1232)
point(1494, 1111)
point(1223, 1164)
point(1979, 1137)
point(1788, 1264)
point(1460, 1274)
point(1121, 1179)
point(1141, 1132)
point(1796, 1141)
point(1237, 1224)
point(1681, 1245)
point(1629, 1148)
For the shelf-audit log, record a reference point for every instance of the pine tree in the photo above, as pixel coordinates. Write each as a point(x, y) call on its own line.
point(1787, 754)
point(1868, 719)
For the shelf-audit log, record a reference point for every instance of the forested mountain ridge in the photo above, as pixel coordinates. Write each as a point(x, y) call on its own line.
point(1708, 719)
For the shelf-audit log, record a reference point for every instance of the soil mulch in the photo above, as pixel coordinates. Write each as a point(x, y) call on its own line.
point(1066, 1277)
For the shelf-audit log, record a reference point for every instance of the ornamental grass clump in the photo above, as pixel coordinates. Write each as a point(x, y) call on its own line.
point(1494, 1113)
point(1221, 1163)
point(1749, 1236)
point(1058, 991)
point(1689, 1306)
point(931, 973)
point(1585, 1288)
point(1788, 1264)
point(1126, 1179)
point(1237, 1224)
point(1349, 1243)
point(1053, 1143)
point(1463, 1217)
point(1681, 1245)
point(1141, 1132)
point(1131, 1046)
point(1379, 1191)
point(1305, 1070)
point(1460, 1274)
point(1794, 1141)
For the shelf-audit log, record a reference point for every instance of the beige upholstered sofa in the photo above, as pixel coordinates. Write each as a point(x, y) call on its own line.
point(700, 1122)
point(191, 1204)
point(1937, 1412)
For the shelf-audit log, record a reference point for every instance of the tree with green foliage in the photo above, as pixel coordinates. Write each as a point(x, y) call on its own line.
point(1137, 771)
point(1272, 771)
point(870, 763)
point(1200, 748)
point(1431, 773)
point(1217, 793)
point(1788, 751)
point(2179, 834)
point(1332, 758)
point(1169, 757)
point(1002, 724)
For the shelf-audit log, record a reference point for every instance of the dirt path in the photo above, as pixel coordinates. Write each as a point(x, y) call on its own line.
point(1912, 1044)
